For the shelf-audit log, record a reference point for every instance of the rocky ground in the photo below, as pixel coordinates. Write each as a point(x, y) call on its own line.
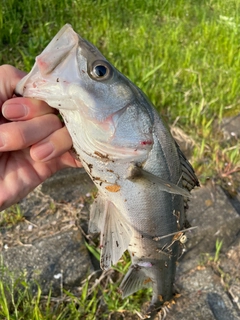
point(49, 246)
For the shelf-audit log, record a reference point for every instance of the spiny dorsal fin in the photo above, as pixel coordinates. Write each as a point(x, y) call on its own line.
point(189, 179)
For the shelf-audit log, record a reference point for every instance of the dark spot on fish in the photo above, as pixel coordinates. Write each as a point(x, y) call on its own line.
point(57, 80)
point(100, 183)
point(117, 244)
point(133, 254)
point(74, 153)
point(142, 236)
point(147, 280)
point(90, 166)
point(59, 105)
point(136, 267)
point(101, 155)
point(109, 170)
point(95, 178)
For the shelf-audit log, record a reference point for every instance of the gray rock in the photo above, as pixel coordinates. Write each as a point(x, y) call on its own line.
point(218, 307)
point(215, 218)
point(68, 185)
point(202, 297)
point(54, 262)
point(200, 280)
point(48, 245)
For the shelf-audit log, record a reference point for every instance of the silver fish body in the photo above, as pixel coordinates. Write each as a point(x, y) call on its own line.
point(140, 172)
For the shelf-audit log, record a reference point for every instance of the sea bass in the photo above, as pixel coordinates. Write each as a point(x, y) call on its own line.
point(143, 179)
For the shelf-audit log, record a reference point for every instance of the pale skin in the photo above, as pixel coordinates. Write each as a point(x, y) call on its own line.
point(34, 144)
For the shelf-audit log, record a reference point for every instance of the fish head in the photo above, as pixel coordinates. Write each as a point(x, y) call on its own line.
point(71, 69)
point(73, 76)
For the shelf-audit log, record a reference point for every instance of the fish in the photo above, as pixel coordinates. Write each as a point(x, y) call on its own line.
point(143, 178)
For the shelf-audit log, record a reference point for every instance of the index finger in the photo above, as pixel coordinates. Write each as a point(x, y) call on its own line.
point(9, 77)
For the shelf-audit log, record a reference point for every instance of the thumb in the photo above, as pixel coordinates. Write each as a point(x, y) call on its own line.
point(9, 77)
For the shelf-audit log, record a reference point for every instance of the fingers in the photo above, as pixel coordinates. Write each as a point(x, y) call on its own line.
point(10, 77)
point(25, 109)
point(22, 134)
point(53, 146)
point(34, 123)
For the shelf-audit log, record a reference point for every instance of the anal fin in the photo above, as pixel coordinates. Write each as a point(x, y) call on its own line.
point(134, 280)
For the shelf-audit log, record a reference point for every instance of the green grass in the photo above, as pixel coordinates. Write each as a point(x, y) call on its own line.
point(96, 300)
point(183, 54)
point(11, 217)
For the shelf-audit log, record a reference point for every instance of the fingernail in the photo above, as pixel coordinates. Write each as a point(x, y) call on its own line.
point(14, 111)
point(42, 151)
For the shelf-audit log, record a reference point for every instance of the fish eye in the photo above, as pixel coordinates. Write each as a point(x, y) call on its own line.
point(101, 70)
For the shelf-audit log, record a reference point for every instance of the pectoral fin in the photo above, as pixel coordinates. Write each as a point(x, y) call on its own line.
point(134, 172)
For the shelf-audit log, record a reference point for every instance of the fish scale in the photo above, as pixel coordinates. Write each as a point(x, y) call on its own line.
point(142, 176)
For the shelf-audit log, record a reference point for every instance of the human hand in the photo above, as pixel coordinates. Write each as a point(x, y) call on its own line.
point(33, 142)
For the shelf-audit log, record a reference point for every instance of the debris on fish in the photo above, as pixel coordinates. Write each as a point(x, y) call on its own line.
point(142, 176)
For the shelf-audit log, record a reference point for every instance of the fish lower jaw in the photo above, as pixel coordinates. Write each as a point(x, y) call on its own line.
point(46, 95)
point(53, 95)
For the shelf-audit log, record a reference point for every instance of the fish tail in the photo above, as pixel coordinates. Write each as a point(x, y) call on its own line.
point(144, 275)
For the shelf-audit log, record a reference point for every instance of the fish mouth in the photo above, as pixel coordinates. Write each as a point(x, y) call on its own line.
point(58, 75)
point(59, 52)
